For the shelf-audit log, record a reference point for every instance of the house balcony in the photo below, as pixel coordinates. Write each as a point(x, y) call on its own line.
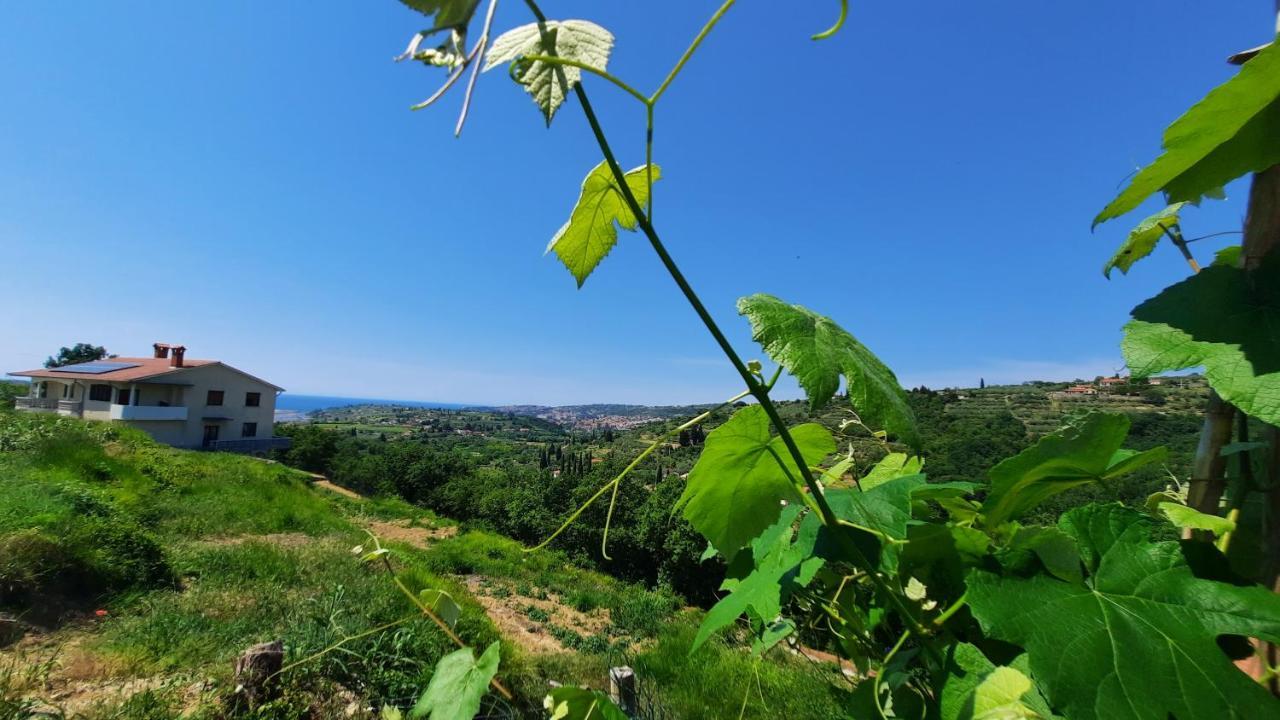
point(157, 413)
point(31, 404)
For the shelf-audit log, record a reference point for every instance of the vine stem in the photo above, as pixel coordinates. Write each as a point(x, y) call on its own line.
point(875, 684)
point(758, 391)
point(431, 614)
point(688, 53)
point(1181, 244)
point(614, 483)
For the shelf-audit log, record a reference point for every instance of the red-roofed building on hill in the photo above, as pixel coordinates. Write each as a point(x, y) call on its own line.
point(177, 400)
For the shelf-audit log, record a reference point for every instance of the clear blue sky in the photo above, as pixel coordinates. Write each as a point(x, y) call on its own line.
point(245, 177)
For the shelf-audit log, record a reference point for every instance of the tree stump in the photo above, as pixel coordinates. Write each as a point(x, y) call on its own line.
point(255, 673)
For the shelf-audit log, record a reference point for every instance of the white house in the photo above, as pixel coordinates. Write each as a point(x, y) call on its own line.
point(177, 400)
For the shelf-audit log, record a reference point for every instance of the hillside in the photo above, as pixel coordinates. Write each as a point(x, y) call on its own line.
point(131, 575)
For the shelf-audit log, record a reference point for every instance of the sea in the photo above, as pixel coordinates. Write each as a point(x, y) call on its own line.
point(292, 406)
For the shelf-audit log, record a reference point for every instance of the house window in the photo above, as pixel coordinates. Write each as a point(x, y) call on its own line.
point(214, 398)
point(252, 399)
point(249, 430)
point(100, 393)
point(122, 396)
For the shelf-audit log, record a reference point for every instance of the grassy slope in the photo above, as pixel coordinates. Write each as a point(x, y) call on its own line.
point(196, 556)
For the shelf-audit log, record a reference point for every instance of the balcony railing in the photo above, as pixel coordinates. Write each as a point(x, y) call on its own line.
point(148, 412)
point(70, 407)
point(251, 446)
point(36, 404)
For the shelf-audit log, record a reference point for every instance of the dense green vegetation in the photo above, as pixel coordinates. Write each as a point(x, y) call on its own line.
point(512, 487)
point(141, 571)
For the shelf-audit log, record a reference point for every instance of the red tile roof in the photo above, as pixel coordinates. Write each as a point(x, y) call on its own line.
point(146, 368)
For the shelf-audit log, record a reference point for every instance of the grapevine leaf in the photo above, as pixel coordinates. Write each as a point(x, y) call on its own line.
point(1083, 452)
point(1191, 519)
point(736, 489)
point(1055, 549)
point(1227, 134)
point(1224, 318)
point(1229, 256)
point(442, 604)
point(893, 465)
point(571, 703)
point(549, 83)
point(883, 510)
point(1137, 639)
point(592, 229)
point(772, 634)
point(1142, 239)
point(446, 13)
point(976, 689)
point(458, 685)
point(781, 566)
point(817, 352)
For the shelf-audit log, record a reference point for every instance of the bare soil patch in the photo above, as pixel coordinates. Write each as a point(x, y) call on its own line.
point(519, 617)
point(406, 532)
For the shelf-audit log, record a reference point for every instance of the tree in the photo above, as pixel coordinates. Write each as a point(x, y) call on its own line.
point(78, 353)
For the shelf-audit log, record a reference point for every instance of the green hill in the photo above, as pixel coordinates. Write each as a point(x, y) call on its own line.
point(131, 575)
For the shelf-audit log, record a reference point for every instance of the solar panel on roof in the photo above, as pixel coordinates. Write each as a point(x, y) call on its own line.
point(94, 368)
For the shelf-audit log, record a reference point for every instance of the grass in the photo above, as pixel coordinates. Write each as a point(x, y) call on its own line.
point(196, 556)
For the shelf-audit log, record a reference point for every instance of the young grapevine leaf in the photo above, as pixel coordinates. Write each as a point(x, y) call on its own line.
point(781, 566)
point(1227, 134)
point(571, 703)
point(893, 465)
point(1142, 239)
point(458, 685)
point(817, 352)
point(976, 689)
point(592, 229)
point(1137, 638)
point(549, 83)
point(736, 489)
point(1083, 452)
point(1191, 519)
point(446, 13)
point(1224, 318)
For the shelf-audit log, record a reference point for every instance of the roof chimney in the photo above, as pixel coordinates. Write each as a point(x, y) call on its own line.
point(176, 359)
point(162, 350)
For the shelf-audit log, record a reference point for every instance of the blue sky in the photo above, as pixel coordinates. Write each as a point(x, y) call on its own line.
point(246, 178)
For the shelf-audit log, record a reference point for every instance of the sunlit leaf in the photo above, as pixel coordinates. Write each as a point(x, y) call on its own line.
point(572, 703)
point(1229, 133)
point(976, 689)
point(893, 465)
point(550, 83)
point(817, 352)
point(442, 604)
point(1142, 239)
point(736, 489)
point(592, 229)
point(1085, 451)
point(458, 685)
point(1137, 638)
point(1222, 318)
point(1191, 519)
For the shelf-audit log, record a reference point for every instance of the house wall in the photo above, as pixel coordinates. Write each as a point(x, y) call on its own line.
point(234, 385)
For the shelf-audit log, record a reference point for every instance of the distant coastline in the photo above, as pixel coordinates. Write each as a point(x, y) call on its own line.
point(292, 406)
